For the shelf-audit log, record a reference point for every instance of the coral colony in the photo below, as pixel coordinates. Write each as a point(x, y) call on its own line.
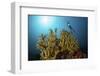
point(65, 46)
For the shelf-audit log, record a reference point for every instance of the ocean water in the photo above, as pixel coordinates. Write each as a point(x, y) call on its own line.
point(38, 24)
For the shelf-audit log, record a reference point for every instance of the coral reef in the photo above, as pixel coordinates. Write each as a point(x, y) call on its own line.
point(64, 47)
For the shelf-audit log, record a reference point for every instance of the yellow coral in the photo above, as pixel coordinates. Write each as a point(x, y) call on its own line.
point(50, 46)
point(68, 42)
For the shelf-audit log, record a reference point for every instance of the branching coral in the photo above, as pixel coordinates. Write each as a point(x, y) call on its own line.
point(51, 45)
point(68, 42)
point(48, 46)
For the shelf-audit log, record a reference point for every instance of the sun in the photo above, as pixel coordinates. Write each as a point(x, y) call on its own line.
point(45, 20)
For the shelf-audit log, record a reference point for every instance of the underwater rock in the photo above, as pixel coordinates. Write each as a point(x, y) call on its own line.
point(62, 55)
point(79, 54)
point(67, 55)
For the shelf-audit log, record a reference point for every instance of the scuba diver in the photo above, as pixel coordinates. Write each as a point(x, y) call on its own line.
point(70, 28)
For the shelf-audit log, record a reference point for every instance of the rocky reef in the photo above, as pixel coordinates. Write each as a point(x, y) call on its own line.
point(65, 46)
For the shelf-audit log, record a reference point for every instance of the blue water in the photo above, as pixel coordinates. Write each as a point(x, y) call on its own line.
point(38, 24)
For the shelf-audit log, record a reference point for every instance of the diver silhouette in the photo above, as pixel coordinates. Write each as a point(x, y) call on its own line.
point(70, 27)
point(72, 30)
